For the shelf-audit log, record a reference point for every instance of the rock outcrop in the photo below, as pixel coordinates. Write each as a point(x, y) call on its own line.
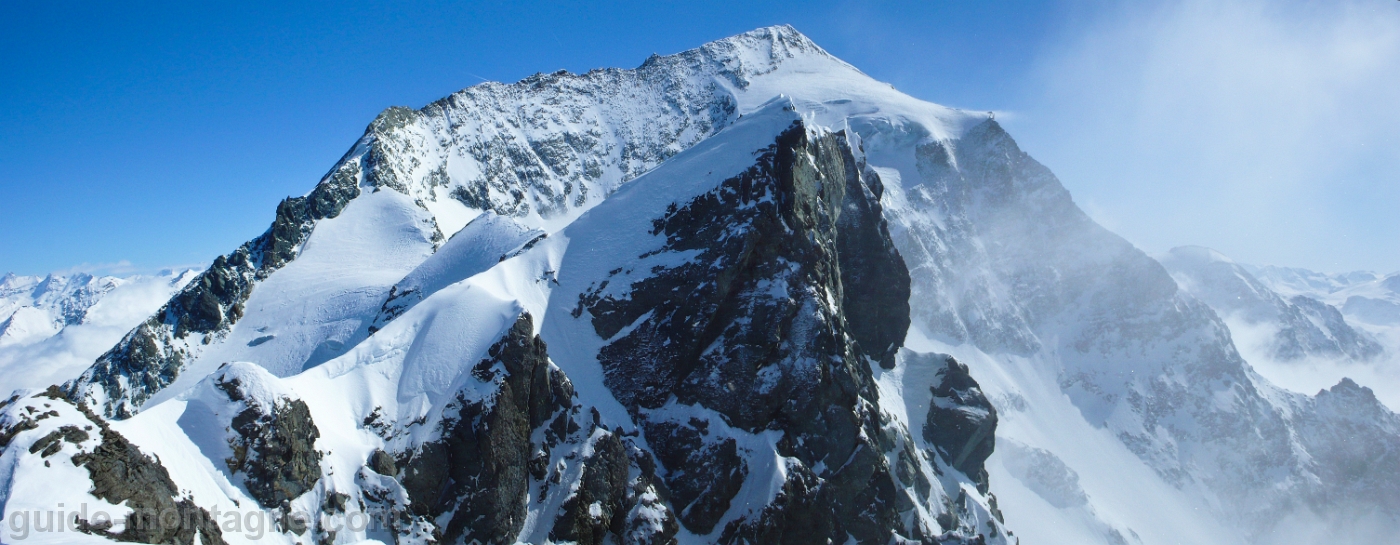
point(274, 446)
point(757, 332)
point(476, 478)
point(47, 426)
point(961, 422)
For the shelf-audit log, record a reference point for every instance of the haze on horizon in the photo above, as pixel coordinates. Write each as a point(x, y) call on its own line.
point(142, 138)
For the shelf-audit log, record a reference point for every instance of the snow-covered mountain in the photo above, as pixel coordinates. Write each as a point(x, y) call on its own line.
point(1363, 296)
point(1292, 328)
point(53, 327)
point(1304, 330)
point(740, 294)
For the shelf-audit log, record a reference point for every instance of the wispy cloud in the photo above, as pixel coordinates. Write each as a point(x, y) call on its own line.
point(123, 268)
point(1266, 129)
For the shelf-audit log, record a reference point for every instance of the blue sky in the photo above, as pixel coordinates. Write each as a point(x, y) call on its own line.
point(141, 137)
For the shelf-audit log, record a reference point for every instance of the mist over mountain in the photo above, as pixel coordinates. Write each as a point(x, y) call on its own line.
point(1303, 329)
point(740, 294)
point(53, 327)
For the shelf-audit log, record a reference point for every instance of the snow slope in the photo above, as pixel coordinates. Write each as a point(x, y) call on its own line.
point(699, 346)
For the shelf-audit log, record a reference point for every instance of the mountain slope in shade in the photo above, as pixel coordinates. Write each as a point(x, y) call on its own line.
point(744, 293)
point(1050, 307)
point(53, 327)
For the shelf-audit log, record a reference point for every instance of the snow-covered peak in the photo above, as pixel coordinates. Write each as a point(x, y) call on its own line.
point(1392, 283)
point(1220, 282)
point(1294, 326)
point(546, 148)
point(12, 283)
point(65, 297)
point(762, 48)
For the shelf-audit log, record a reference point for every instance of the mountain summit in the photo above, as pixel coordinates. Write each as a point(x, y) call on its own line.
point(740, 294)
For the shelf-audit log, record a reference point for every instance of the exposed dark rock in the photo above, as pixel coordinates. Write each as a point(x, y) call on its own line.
point(961, 422)
point(756, 328)
point(479, 470)
point(50, 444)
point(705, 475)
point(599, 508)
point(275, 447)
point(874, 280)
point(335, 503)
point(9, 432)
point(784, 210)
point(122, 474)
point(386, 149)
point(801, 514)
point(475, 479)
point(382, 463)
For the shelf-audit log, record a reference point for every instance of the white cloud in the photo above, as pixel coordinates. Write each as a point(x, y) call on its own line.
point(119, 268)
point(1265, 129)
point(124, 268)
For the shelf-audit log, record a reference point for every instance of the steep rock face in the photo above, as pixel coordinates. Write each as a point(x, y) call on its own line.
point(599, 511)
point(751, 332)
point(478, 472)
point(494, 453)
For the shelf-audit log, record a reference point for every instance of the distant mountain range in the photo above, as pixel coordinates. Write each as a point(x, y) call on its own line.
point(53, 327)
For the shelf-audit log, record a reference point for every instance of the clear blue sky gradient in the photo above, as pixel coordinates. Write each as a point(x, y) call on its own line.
point(165, 134)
